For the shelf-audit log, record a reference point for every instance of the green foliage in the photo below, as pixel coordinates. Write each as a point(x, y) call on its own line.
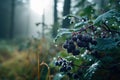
point(64, 32)
point(95, 65)
point(106, 45)
point(106, 17)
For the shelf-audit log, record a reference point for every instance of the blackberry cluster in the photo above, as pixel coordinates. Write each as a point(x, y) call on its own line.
point(77, 41)
point(66, 66)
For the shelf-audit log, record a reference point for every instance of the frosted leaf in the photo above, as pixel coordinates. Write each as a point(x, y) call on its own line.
point(94, 65)
point(105, 16)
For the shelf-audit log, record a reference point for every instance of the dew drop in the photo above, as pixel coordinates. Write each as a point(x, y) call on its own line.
point(106, 22)
point(113, 24)
point(93, 72)
point(91, 10)
point(118, 2)
point(119, 26)
point(90, 59)
point(56, 45)
point(109, 4)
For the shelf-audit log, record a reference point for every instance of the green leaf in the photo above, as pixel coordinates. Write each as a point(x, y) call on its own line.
point(80, 24)
point(63, 31)
point(92, 69)
point(75, 59)
point(105, 44)
point(108, 15)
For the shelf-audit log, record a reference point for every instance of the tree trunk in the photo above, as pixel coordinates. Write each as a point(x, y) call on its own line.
point(55, 12)
point(55, 26)
point(66, 11)
point(12, 18)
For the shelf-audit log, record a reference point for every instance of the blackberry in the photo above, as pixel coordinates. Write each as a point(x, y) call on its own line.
point(85, 44)
point(87, 39)
point(79, 36)
point(79, 43)
point(76, 52)
point(69, 50)
point(69, 68)
point(94, 42)
point(60, 62)
point(74, 38)
point(65, 45)
point(63, 69)
point(56, 63)
point(75, 76)
point(70, 42)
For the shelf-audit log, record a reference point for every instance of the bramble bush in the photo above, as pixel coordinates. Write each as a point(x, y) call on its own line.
point(92, 48)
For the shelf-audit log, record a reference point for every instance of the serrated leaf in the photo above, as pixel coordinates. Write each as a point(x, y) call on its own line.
point(102, 18)
point(80, 24)
point(64, 31)
point(105, 44)
point(92, 69)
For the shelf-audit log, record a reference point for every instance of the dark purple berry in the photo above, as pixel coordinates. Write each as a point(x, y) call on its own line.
point(60, 62)
point(79, 36)
point(75, 76)
point(69, 68)
point(56, 63)
point(74, 38)
point(79, 43)
point(69, 50)
point(64, 61)
point(64, 64)
point(62, 69)
point(76, 52)
point(85, 44)
point(70, 42)
point(71, 46)
point(65, 45)
point(94, 42)
point(86, 38)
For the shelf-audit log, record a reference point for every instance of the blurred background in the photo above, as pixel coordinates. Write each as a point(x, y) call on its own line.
point(28, 28)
